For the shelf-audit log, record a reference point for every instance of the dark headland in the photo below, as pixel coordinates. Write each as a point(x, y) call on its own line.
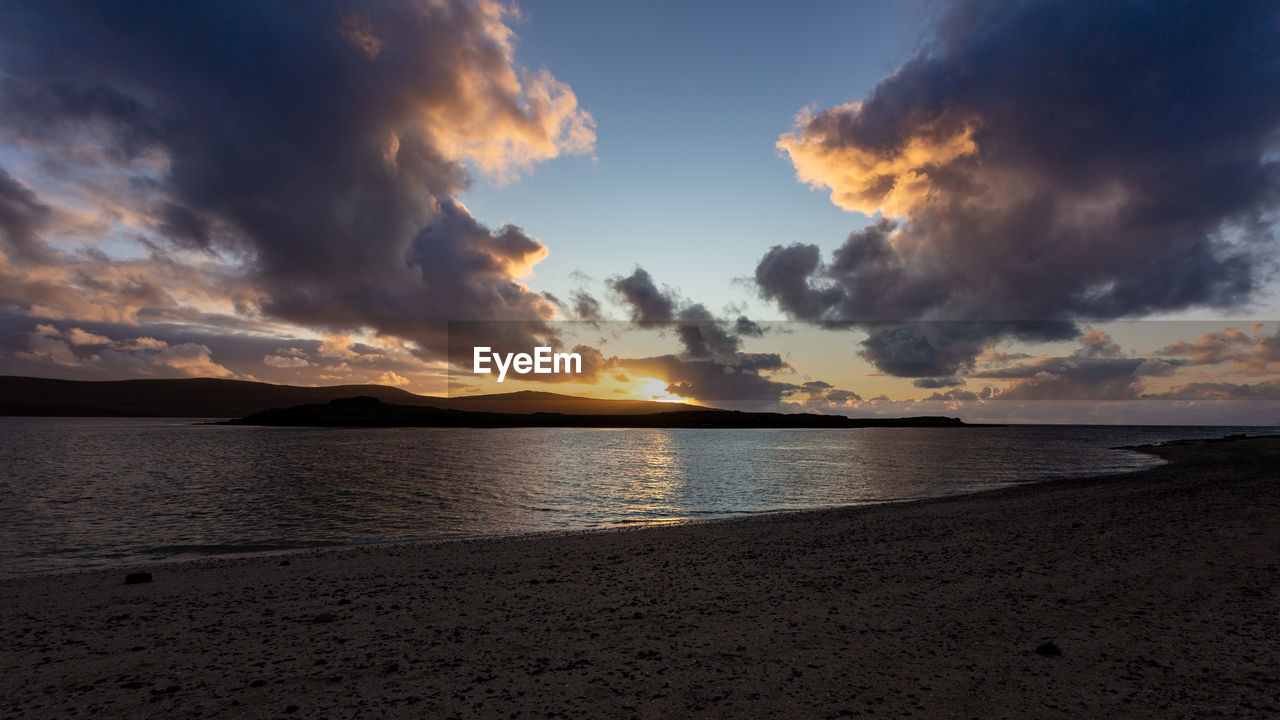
point(217, 398)
point(371, 412)
point(256, 403)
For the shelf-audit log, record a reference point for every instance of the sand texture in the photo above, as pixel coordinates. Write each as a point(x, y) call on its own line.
point(1161, 589)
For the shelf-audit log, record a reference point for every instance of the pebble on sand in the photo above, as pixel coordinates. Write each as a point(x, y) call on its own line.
point(1048, 650)
point(137, 578)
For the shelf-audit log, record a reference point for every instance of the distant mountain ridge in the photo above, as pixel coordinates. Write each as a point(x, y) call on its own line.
point(369, 412)
point(217, 398)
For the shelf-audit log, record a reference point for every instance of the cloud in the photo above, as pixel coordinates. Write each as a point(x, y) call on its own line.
point(703, 336)
point(585, 306)
point(707, 380)
point(319, 180)
point(747, 327)
point(337, 347)
point(1252, 354)
point(594, 364)
point(956, 395)
point(51, 347)
point(22, 218)
point(1071, 379)
point(941, 349)
point(712, 365)
point(841, 398)
point(1044, 161)
point(1098, 344)
point(1098, 370)
point(870, 179)
point(393, 379)
point(701, 333)
point(997, 358)
point(816, 397)
point(1221, 391)
point(938, 382)
point(190, 359)
point(46, 345)
point(649, 305)
point(271, 357)
point(76, 336)
point(88, 286)
point(286, 361)
point(144, 343)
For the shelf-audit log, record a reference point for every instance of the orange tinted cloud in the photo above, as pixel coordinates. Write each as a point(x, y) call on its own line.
point(891, 180)
point(1255, 354)
point(322, 194)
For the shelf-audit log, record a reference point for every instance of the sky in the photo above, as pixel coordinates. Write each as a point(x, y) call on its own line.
point(1004, 211)
point(689, 100)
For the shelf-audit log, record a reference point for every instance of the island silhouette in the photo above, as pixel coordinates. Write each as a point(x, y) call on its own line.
point(255, 403)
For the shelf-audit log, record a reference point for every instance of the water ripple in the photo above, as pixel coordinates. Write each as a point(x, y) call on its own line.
point(77, 492)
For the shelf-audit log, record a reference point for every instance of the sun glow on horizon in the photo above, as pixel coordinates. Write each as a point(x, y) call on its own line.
point(655, 390)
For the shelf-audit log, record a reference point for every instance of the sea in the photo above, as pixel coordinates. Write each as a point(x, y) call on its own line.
point(80, 493)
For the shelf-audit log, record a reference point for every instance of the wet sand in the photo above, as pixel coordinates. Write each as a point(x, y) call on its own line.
point(1161, 590)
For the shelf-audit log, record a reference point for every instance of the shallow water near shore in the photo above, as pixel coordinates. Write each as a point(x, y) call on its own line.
point(85, 492)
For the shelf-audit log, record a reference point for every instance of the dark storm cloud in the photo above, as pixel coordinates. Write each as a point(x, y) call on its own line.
point(822, 395)
point(324, 143)
point(712, 366)
point(22, 217)
point(702, 334)
point(933, 383)
point(1098, 370)
point(937, 349)
point(839, 398)
point(783, 275)
point(923, 350)
point(1079, 377)
point(183, 226)
point(757, 362)
point(745, 326)
point(1045, 161)
point(958, 395)
point(586, 306)
point(649, 305)
point(707, 380)
point(703, 337)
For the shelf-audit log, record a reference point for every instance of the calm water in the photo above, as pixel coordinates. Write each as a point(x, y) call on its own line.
point(79, 492)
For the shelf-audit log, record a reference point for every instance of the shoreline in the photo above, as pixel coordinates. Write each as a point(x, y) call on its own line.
point(340, 546)
point(1160, 588)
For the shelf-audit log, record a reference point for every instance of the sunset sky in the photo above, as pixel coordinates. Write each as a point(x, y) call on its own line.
point(1032, 211)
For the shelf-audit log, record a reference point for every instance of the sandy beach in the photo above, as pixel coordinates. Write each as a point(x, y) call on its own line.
point(1160, 590)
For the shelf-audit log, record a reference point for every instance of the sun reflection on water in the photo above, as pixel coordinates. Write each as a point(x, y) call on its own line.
point(658, 476)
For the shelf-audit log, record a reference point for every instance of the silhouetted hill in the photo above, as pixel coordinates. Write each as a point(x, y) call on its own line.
point(196, 397)
point(371, 412)
point(214, 398)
